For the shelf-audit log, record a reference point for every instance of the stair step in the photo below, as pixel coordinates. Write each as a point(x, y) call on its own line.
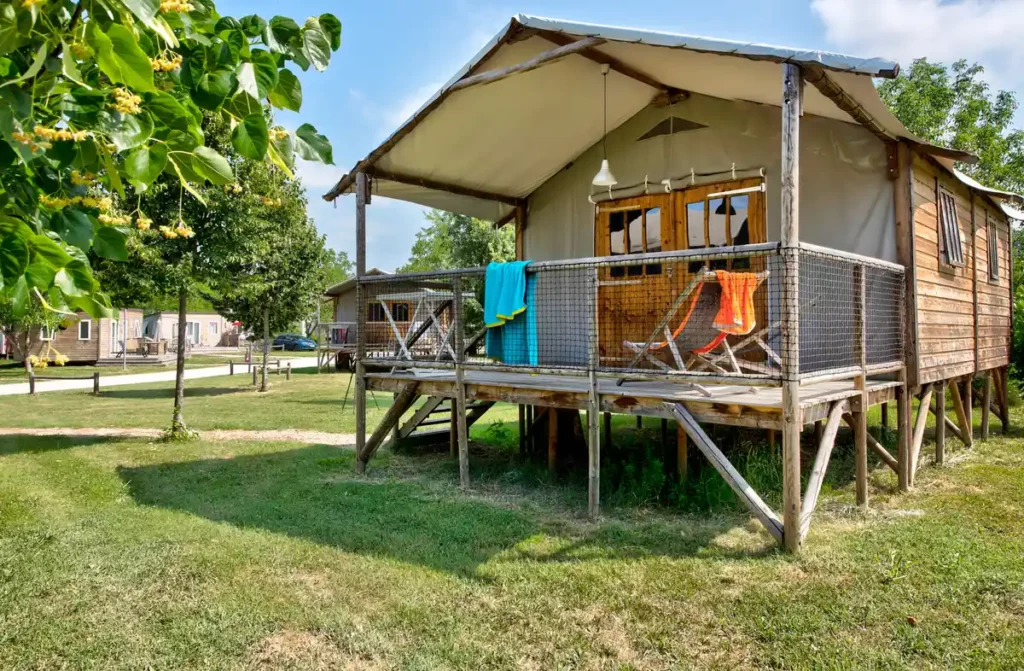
point(434, 422)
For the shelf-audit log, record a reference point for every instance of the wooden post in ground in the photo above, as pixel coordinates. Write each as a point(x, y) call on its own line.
point(1004, 381)
point(885, 414)
point(792, 104)
point(986, 400)
point(639, 422)
point(919, 426)
point(940, 422)
point(903, 432)
point(288, 371)
point(231, 367)
point(593, 408)
point(255, 373)
point(966, 429)
point(362, 193)
point(968, 397)
point(819, 430)
point(96, 383)
point(31, 383)
point(552, 440)
point(608, 428)
point(682, 453)
point(460, 383)
point(522, 430)
point(860, 415)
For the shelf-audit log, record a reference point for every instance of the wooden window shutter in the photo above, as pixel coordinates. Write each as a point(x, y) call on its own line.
point(951, 246)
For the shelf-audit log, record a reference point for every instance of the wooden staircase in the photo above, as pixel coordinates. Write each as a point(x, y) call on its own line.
point(431, 424)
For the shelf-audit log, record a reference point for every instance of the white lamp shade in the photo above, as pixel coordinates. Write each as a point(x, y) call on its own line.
point(604, 176)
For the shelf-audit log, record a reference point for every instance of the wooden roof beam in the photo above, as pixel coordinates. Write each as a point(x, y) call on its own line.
point(410, 180)
point(614, 63)
point(491, 76)
point(828, 87)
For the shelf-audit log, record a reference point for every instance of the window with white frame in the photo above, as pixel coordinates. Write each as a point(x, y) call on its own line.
point(951, 246)
point(993, 247)
point(214, 327)
point(85, 329)
point(47, 334)
point(137, 328)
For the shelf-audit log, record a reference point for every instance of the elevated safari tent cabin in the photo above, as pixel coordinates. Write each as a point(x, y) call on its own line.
point(774, 250)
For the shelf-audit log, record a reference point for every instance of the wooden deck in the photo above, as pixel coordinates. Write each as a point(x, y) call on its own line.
point(735, 405)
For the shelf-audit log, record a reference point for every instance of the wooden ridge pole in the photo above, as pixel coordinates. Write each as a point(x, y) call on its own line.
point(362, 190)
point(537, 61)
point(792, 103)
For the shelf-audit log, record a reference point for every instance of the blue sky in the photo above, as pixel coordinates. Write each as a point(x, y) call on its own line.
point(395, 54)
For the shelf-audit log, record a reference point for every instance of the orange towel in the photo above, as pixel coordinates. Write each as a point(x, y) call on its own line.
point(736, 315)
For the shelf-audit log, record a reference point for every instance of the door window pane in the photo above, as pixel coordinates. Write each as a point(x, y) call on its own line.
point(635, 219)
point(739, 227)
point(617, 239)
point(652, 219)
point(695, 225)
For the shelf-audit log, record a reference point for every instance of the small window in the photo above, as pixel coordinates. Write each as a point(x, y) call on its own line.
point(137, 328)
point(634, 231)
point(84, 329)
point(400, 312)
point(375, 313)
point(214, 328)
point(46, 333)
point(993, 248)
point(951, 246)
point(617, 239)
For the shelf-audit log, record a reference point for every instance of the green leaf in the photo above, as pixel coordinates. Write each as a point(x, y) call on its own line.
point(266, 71)
point(250, 137)
point(284, 30)
point(332, 28)
point(212, 166)
point(97, 309)
point(14, 256)
point(312, 146)
point(315, 44)
point(33, 68)
point(120, 57)
point(282, 155)
point(73, 226)
point(185, 182)
point(288, 92)
point(146, 163)
point(40, 275)
point(227, 23)
point(126, 131)
point(110, 243)
point(70, 67)
point(47, 249)
point(213, 88)
point(18, 296)
point(74, 279)
point(169, 111)
point(144, 10)
point(242, 104)
point(252, 25)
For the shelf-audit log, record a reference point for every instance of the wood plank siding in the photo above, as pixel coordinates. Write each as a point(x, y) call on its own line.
point(963, 316)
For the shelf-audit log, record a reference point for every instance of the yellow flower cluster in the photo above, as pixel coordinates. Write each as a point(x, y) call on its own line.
point(28, 4)
point(270, 202)
point(29, 140)
point(165, 65)
point(125, 101)
point(44, 361)
point(179, 231)
point(276, 134)
point(80, 50)
point(38, 362)
point(175, 6)
point(235, 188)
point(61, 134)
point(57, 202)
point(79, 179)
point(115, 220)
point(60, 359)
point(143, 223)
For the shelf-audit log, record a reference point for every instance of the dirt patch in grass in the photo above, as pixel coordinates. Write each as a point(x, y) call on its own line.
point(292, 649)
point(282, 436)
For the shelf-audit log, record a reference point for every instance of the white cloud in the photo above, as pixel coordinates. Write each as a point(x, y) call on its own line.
point(986, 31)
point(317, 177)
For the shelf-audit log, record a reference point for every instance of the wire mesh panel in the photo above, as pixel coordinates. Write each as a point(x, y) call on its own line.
point(708, 312)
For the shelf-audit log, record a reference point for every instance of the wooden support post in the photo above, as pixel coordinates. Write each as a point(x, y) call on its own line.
point(403, 402)
point(522, 430)
point(792, 108)
point(729, 473)
point(1004, 385)
point(231, 367)
point(875, 446)
point(255, 372)
point(940, 422)
point(860, 416)
point(986, 400)
point(639, 422)
point(968, 397)
point(362, 193)
point(919, 426)
point(903, 432)
point(552, 440)
point(460, 383)
point(607, 428)
point(593, 449)
point(288, 371)
point(96, 383)
point(772, 438)
point(453, 430)
point(31, 383)
point(885, 414)
point(966, 430)
point(819, 430)
point(817, 475)
point(682, 453)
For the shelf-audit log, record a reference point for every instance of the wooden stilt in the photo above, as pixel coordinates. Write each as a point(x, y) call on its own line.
point(607, 428)
point(721, 464)
point(594, 450)
point(922, 421)
point(664, 433)
point(817, 475)
point(639, 422)
point(1004, 403)
point(961, 414)
point(986, 401)
point(885, 414)
point(552, 440)
point(682, 453)
point(362, 193)
point(860, 439)
point(819, 430)
point(968, 397)
point(403, 401)
point(903, 433)
point(940, 422)
point(522, 430)
point(453, 432)
point(875, 446)
point(460, 384)
point(772, 440)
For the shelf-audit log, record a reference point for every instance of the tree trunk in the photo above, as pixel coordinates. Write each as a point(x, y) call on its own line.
point(266, 348)
point(177, 421)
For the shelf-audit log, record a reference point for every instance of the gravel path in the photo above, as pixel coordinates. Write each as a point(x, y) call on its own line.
point(285, 435)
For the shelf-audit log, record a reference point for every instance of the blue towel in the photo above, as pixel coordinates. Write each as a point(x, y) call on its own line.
point(504, 292)
point(509, 314)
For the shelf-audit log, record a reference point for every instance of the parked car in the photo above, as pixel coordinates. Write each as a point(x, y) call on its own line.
point(294, 343)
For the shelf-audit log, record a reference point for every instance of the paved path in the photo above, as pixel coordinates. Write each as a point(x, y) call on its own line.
point(286, 435)
point(142, 378)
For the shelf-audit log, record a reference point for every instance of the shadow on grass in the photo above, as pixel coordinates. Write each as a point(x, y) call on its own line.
point(190, 392)
point(311, 493)
point(10, 445)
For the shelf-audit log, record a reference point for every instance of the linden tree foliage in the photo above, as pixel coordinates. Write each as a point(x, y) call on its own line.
point(97, 96)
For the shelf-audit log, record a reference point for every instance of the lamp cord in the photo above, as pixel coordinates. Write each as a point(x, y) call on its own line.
point(604, 137)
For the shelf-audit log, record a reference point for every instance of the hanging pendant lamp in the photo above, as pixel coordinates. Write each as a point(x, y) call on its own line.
point(604, 176)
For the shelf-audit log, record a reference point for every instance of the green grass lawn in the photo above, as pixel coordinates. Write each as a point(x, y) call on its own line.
point(128, 554)
point(12, 371)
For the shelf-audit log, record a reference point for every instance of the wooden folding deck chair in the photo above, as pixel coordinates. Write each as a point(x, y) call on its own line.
point(698, 335)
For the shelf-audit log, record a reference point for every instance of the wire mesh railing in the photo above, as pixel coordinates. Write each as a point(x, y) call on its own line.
point(707, 314)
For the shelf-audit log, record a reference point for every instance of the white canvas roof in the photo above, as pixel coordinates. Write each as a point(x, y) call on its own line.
point(481, 150)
